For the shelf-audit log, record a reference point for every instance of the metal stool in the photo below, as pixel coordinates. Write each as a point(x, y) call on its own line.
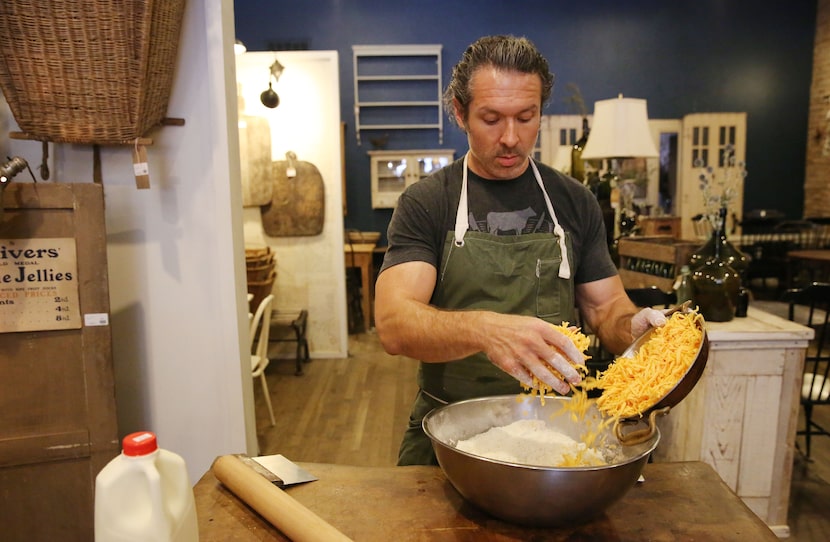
point(298, 323)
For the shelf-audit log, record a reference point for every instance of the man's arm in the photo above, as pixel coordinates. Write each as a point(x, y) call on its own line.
point(612, 316)
point(408, 325)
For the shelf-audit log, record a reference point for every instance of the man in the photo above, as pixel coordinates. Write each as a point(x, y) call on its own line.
point(485, 254)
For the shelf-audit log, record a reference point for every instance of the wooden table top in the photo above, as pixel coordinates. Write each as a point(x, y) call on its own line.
point(677, 501)
point(816, 255)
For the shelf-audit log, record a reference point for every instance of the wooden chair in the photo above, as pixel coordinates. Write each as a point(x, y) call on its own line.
point(767, 250)
point(259, 334)
point(811, 306)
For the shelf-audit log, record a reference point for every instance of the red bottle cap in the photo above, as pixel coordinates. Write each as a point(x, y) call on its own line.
point(141, 443)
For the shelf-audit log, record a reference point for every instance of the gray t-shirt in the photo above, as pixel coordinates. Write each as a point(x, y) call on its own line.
point(426, 212)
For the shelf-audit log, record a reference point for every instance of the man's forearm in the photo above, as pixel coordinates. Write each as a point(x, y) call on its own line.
point(430, 334)
point(615, 331)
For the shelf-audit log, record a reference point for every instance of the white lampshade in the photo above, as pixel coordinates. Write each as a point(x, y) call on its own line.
point(620, 130)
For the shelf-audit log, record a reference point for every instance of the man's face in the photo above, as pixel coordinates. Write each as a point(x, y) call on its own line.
point(503, 121)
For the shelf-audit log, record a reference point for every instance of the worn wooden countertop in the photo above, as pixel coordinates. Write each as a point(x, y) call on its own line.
point(677, 501)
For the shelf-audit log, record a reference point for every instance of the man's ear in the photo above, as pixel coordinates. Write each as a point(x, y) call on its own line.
point(458, 111)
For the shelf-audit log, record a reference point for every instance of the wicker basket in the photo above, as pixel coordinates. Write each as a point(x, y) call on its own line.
point(259, 289)
point(88, 71)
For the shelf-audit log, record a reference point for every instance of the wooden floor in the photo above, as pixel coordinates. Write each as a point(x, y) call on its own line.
point(353, 411)
point(350, 411)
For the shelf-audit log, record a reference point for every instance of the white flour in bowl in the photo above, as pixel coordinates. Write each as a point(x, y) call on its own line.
point(530, 442)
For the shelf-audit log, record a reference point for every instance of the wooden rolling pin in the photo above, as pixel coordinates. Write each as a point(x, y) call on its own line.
point(281, 510)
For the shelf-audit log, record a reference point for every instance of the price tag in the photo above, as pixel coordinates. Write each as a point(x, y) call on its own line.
point(96, 319)
point(140, 167)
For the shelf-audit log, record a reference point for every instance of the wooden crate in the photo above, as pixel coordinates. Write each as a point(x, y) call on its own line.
point(659, 226)
point(653, 261)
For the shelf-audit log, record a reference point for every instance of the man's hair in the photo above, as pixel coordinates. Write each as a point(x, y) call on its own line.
point(504, 52)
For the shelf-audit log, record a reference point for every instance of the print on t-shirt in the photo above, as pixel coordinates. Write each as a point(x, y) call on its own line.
point(519, 222)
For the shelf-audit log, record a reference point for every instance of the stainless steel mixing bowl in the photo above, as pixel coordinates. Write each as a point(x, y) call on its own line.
point(531, 495)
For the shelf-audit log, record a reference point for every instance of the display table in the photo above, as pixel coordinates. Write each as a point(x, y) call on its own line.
point(741, 417)
point(677, 501)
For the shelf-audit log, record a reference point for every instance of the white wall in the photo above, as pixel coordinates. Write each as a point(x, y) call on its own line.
point(310, 271)
point(176, 262)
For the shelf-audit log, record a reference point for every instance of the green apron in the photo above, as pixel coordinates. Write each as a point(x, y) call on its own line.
point(515, 274)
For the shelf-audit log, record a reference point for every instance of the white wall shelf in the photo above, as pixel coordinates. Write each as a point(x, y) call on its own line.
point(397, 87)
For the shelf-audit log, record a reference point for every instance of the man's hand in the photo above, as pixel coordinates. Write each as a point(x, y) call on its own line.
point(645, 319)
point(525, 347)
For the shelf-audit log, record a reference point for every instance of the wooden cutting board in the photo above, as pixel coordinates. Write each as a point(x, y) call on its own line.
point(297, 203)
point(255, 160)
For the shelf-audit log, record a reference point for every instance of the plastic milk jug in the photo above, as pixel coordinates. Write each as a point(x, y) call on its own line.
point(144, 494)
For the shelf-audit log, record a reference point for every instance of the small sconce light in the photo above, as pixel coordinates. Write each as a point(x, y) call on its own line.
point(269, 97)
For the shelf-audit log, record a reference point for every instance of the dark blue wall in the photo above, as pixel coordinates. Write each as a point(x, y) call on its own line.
point(682, 56)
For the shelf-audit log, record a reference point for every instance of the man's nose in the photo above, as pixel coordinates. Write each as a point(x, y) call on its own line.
point(510, 137)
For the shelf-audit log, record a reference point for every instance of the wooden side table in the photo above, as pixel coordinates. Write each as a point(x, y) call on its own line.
point(361, 255)
point(813, 263)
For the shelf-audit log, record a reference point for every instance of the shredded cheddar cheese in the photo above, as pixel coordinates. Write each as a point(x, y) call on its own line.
point(633, 385)
point(580, 340)
point(630, 386)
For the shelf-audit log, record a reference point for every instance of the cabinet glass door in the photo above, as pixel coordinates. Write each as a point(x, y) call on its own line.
point(392, 176)
point(430, 164)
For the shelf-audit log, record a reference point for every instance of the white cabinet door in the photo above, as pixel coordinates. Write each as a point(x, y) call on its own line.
point(393, 171)
point(705, 137)
point(558, 135)
point(665, 133)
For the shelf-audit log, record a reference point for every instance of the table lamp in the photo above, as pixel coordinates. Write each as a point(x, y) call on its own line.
point(620, 131)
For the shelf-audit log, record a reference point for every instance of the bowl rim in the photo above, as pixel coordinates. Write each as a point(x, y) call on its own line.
point(649, 448)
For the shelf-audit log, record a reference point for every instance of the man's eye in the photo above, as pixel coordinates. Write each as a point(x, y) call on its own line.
point(526, 119)
point(491, 121)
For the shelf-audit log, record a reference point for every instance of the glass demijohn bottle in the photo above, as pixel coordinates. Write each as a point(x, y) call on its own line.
point(577, 164)
point(715, 286)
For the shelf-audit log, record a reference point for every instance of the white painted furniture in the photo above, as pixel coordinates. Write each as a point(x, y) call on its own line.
point(741, 417)
point(393, 171)
point(694, 138)
point(397, 87)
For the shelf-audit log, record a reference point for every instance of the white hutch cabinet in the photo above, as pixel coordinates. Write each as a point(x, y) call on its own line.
point(393, 171)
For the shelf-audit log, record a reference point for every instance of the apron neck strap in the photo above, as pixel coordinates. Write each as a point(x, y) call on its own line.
point(565, 266)
point(462, 221)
